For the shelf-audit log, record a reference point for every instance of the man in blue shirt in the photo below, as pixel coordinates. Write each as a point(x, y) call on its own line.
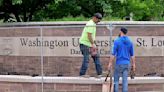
point(123, 51)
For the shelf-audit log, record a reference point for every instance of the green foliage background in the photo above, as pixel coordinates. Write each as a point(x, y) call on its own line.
point(80, 10)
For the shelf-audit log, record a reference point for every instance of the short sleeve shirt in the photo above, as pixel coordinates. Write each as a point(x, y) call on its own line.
point(89, 28)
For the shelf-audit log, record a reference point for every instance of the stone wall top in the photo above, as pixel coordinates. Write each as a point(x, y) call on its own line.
point(67, 23)
point(76, 80)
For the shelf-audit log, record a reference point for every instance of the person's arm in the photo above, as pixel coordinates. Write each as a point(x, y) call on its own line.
point(114, 51)
point(133, 58)
point(110, 62)
point(91, 39)
point(133, 63)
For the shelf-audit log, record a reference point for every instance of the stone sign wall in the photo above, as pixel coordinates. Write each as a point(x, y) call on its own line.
point(69, 46)
point(21, 48)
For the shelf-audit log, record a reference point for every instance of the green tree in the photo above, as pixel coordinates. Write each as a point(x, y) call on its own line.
point(64, 8)
point(40, 10)
point(143, 9)
point(20, 10)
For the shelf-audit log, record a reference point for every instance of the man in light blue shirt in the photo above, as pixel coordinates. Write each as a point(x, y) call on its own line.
point(123, 51)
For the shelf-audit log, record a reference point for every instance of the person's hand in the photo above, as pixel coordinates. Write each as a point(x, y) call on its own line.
point(93, 46)
point(109, 66)
point(93, 50)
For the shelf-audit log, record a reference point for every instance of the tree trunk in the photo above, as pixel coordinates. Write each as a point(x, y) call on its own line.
point(24, 16)
point(17, 17)
point(30, 16)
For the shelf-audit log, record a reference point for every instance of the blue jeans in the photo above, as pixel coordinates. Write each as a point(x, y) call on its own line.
point(121, 71)
point(85, 52)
